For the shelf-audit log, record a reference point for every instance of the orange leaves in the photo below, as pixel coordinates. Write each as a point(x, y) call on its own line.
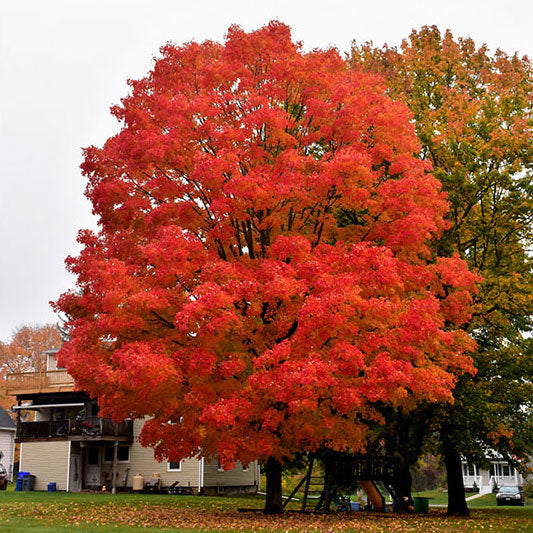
point(161, 513)
point(24, 352)
point(453, 272)
point(501, 433)
point(263, 255)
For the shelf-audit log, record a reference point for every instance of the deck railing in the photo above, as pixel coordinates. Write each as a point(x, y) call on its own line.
point(469, 481)
point(35, 382)
point(371, 468)
point(500, 481)
point(74, 427)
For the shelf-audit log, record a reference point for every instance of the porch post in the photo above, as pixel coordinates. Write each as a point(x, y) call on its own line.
point(115, 467)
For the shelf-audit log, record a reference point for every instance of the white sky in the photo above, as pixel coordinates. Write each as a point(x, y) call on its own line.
point(63, 63)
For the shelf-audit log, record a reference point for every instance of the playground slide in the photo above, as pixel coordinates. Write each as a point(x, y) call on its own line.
point(373, 494)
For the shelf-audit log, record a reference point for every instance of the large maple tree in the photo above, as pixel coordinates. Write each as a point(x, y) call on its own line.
point(473, 115)
point(262, 278)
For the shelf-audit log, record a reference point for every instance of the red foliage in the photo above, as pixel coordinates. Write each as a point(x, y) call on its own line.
point(262, 276)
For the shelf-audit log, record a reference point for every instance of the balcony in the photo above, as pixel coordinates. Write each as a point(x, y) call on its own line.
point(37, 382)
point(82, 429)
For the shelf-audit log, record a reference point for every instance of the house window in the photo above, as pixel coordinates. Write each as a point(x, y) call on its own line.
point(469, 470)
point(245, 468)
point(174, 466)
point(219, 467)
point(93, 456)
point(123, 454)
point(502, 470)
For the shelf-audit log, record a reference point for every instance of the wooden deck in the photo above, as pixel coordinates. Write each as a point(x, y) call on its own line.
point(38, 382)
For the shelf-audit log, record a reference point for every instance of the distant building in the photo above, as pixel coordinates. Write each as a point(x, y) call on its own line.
point(499, 473)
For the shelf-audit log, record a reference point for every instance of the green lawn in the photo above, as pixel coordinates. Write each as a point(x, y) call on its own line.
point(98, 513)
point(439, 497)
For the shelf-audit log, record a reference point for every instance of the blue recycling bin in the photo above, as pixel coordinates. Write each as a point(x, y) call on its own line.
point(18, 484)
point(52, 487)
point(22, 474)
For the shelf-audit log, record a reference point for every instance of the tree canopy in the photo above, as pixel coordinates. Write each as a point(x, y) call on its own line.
point(262, 277)
point(473, 116)
point(24, 352)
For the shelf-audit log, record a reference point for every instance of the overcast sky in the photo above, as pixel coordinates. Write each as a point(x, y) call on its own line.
point(64, 63)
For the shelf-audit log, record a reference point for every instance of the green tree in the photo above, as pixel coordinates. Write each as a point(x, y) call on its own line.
point(473, 114)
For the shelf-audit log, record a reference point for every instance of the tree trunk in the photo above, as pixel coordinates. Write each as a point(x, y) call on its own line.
point(402, 485)
point(273, 502)
point(456, 489)
point(330, 474)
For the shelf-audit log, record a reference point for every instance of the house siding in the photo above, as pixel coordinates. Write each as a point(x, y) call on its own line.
point(229, 478)
point(142, 462)
point(47, 461)
point(51, 362)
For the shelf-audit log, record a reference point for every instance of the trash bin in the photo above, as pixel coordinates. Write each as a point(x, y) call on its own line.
point(421, 504)
point(52, 487)
point(138, 483)
point(22, 474)
point(355, 506)
point(18, 484)
point(28, 482)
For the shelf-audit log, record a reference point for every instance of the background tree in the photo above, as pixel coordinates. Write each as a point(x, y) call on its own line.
point(473, 116)
point(262, 278)
point(24, 351)
point(429, 473)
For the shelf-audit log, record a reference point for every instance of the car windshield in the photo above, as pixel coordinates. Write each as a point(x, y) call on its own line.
point(510, 490)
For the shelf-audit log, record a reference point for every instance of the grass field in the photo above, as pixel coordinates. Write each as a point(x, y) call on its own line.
point(439, 497)
point(47, 512)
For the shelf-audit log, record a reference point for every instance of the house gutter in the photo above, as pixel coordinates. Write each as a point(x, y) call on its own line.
point(47, 405)
point(200, 474)
point(68, 465)
point(13, 460)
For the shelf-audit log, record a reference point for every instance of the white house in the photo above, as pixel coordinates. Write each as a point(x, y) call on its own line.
point(499, 473)
point(7, 442)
